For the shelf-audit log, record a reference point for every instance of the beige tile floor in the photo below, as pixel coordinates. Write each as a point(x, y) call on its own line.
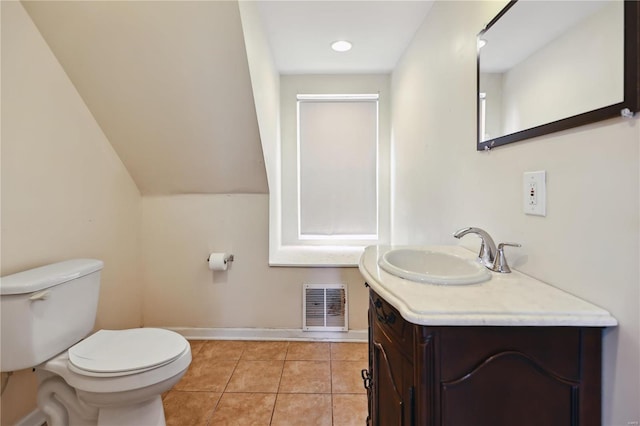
point(244, 383)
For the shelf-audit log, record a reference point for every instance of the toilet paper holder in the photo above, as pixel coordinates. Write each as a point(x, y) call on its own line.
point(227, 259)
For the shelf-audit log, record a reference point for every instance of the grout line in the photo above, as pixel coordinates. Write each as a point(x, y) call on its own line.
point(234, 370)
point(331, 383)
point(213, 410)
point(280, 378)
point(273, 409)
point(275, 402)
point(235, 367)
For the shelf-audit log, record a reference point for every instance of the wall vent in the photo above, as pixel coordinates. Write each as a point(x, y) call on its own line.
point(324, 307)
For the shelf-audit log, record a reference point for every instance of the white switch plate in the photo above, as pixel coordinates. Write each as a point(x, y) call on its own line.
point(535, 193)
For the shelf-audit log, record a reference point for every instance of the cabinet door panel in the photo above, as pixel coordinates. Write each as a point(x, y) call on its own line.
point(387, 377)
point(368, 384)
point(507, 389)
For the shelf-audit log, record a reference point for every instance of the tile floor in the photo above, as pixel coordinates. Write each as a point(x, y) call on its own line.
point(244, 383)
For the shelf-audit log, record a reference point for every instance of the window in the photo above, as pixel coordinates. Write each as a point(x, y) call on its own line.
point(334, 170)
point(337, 168)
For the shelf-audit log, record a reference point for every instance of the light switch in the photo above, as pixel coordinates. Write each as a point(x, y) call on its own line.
point(535, 193)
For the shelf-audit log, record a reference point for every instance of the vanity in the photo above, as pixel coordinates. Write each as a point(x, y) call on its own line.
point(510, 350)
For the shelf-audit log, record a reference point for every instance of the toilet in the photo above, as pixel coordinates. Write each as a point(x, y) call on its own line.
point(111, 377)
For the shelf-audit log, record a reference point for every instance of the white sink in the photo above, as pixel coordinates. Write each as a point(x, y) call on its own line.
point(433, 267)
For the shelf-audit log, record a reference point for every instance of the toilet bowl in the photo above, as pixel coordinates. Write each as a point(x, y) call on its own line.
point(111, 377)
point(117, 376)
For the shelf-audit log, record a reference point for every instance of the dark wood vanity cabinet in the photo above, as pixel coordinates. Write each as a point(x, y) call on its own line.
point(480, 375)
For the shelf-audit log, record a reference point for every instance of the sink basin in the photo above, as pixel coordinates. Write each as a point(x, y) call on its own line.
point(433, 267)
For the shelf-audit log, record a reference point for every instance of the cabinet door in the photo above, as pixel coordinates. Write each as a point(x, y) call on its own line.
point(518, 375)
point(392, 368)
point(367, 374)
point(389, 383)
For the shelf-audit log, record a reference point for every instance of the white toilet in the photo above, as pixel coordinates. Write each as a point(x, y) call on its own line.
point(113, 377)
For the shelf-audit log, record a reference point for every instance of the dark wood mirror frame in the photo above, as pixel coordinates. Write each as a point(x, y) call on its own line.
point(631, 101)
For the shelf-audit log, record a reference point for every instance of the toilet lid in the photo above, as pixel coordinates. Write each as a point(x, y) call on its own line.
point(119, 351)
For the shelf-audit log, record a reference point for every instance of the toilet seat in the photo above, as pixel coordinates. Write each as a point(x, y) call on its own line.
point(87, 382)
point(114, 353)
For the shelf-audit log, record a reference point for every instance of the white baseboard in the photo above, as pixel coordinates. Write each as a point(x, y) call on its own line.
point(271, 334)
point(34, 418)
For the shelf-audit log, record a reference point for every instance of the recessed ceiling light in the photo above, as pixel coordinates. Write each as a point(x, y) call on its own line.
point(341, 46)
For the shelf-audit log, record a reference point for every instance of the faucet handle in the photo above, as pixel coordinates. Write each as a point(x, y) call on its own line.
point(500, 262)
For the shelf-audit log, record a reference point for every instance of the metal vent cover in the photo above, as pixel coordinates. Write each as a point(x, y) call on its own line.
point(324, 307)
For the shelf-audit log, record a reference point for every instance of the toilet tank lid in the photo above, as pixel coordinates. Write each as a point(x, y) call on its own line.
point(48, 276)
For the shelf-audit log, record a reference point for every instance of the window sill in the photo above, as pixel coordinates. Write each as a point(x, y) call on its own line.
point(316, 256)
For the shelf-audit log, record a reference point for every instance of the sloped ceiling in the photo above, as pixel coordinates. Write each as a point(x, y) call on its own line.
point(169, 84)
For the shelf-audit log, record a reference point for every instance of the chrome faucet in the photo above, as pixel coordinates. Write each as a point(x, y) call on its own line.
point(487, 249)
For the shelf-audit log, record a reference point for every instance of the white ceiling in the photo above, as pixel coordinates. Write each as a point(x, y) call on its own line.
point(300, 33)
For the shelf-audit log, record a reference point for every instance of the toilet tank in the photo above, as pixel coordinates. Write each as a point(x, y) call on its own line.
point(46, 310)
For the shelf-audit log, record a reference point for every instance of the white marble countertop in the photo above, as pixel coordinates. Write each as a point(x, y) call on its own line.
point(513, 299)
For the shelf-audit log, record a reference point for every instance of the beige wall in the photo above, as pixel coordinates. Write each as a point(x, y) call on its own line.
point(588, 244)
point(179, 232)
point(65, 193)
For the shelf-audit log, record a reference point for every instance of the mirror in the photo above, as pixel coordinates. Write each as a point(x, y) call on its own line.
point(546, 66)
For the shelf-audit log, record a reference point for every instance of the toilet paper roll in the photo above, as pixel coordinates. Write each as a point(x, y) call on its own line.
point(218, 261)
